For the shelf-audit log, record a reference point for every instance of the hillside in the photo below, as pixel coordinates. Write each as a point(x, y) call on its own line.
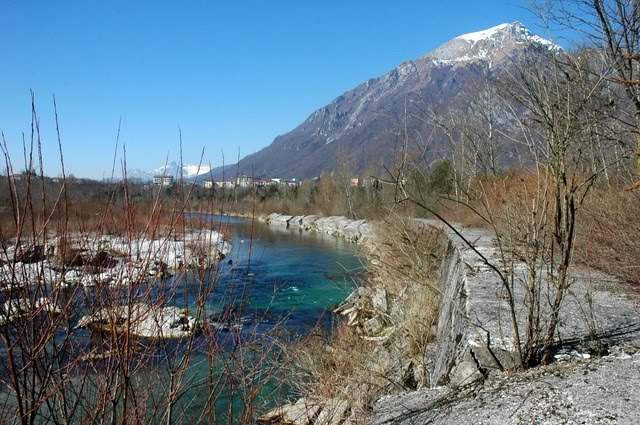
point(365, 128)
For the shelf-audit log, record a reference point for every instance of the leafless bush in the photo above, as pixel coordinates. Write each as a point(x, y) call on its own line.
point(87, 310)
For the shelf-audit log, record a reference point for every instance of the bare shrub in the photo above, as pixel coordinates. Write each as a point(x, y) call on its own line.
point(87, 309)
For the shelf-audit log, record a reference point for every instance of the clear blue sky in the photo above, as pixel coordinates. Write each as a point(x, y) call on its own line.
point(232, 74)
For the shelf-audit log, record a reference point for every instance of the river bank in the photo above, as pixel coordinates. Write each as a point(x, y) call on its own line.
point(468, 347)
point(388, 322)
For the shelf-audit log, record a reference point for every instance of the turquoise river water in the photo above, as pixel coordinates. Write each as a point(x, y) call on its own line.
point(277, 285)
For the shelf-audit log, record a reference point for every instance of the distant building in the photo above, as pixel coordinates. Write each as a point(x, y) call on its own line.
point(163, 180)
point(244, 181)
point(225, 184)
point(23, 176)
point(208, 184)
point(283, 182)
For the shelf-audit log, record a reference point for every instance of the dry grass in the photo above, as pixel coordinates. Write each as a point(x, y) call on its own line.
point(330, 366)
point(414, 266)
point(353, 367)
point(609, 233)
point(607, 229)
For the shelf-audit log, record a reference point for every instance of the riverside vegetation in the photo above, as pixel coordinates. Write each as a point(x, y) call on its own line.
point(570, 199)
point(383, 349)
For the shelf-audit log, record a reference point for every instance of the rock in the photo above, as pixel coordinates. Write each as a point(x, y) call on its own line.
point(333, 412)
point(351, 231)
point(308, 222)
point(597, 391)
point(31, 254)
point(271, 217)
point(68, 255)
point(356, 231)
point(296, 221)
point(301, 412)
point(280, 219)
point(104, 260)
point(379, 301)
point(23, 308)
point(363, 292)
point(367, 233)
point(348, 304)
point(374, 326)
point(144, 320)
point(331, 225)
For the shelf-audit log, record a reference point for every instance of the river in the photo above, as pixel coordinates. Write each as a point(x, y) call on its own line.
point(277, 285)
point(282, 272)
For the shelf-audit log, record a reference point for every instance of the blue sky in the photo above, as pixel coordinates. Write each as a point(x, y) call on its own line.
point(231, 74)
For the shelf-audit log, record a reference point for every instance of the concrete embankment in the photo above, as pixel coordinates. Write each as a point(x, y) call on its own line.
point(475, 337)
point(474, 343)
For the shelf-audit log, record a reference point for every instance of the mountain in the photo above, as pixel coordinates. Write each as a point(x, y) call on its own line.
point(364, 128)
point(172, 168)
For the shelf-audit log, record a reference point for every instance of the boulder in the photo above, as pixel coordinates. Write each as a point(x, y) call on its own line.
point(351, 231)
point(302, 412)
point(296, 221)
point(308, 222)
point(271, 217)
point(281, 219)
point(373, 326)
point(31, 254)
point(143, 320)
point(104, 260)
point(21, 308)
point(379, 301)
point(333, 411)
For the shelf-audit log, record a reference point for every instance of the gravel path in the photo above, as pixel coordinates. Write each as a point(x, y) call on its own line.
point(593, 391)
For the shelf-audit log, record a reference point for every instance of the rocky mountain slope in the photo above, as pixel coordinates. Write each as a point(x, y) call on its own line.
point(365, 128)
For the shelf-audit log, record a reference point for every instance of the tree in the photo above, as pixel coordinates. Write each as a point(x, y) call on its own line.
point(612, 26)
point(560, 104)
point(443, 177)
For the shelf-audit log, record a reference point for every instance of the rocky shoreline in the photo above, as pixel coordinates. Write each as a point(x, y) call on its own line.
point(87, 261)
point(355, 231)
point(377, 314)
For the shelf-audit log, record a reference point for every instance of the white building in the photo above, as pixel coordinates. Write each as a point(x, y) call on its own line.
point(244, 181)
point(163, 180)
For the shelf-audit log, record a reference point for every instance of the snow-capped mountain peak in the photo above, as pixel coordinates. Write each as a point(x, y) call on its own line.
point(171, 168)
point(490, 44)
point(191, 170)
point(516, 30)
point(361, 125)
